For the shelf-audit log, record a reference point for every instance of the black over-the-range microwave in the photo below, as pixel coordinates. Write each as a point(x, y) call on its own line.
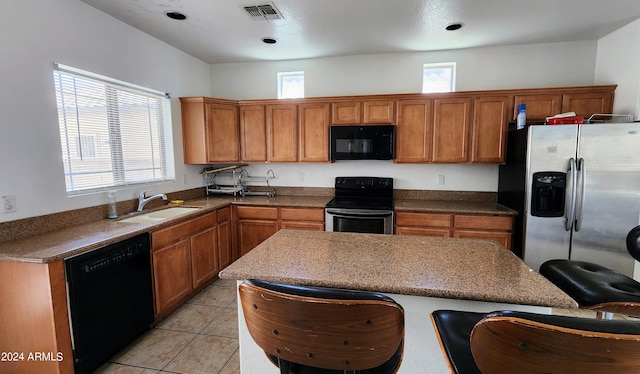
point(363, 142)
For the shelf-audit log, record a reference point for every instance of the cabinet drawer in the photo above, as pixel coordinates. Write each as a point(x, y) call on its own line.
point(423, 231)
point(483, 222)
point(302, 214)
point(171, 234)
point(504, 238)
point(423, 219)
point(291, 225)
point(248, 212)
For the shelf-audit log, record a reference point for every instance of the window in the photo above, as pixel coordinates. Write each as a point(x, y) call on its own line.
point(112, 133)
point(291, 85)
point(439, 77)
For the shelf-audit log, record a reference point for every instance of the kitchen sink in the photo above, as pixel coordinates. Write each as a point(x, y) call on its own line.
point(159, 215)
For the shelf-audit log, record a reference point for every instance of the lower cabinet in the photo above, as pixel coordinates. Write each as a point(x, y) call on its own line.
point(225, 254)
point(255, 224)
point(498, 228)
point(184, 257)
point(302, 219)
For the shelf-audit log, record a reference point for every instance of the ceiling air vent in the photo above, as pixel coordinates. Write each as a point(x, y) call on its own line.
point(263, 12)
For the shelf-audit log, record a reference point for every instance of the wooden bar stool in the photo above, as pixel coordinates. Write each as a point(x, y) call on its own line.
point(597, 287)
point(523, 343)
point(322, 330)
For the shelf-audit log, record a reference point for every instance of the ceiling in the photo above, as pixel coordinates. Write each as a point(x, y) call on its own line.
point(220, 31)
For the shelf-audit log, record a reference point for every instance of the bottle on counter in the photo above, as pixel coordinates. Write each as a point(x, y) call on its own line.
point(522, 116)
point(113, 212)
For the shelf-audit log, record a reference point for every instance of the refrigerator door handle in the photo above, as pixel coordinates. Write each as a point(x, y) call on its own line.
point(582, 172)
point(570, 199)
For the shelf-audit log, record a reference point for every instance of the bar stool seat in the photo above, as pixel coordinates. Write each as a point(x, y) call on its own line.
point(594, 286)
point(597, 287)
point(508, 341)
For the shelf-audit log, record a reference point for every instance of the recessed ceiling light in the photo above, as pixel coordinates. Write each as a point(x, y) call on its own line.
point(269, 40)
point(175, 15)
point(454, 26)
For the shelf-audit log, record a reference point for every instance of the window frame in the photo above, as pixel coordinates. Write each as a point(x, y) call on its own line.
point(440, 65)
point(284, 74)
point(159, 122)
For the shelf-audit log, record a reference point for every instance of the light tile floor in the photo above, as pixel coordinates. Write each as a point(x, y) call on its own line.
point(201, 337)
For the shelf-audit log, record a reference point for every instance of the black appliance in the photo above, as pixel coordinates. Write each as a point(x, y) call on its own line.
point(361, 204)
point(110, 299)
point(362, 142)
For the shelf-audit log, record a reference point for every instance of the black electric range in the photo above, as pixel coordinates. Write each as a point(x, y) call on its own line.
point(361, 204)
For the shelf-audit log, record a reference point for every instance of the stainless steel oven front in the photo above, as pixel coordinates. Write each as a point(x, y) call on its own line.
point(359, 220)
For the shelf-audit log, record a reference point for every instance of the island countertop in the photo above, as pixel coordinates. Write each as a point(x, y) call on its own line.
point(468, 269)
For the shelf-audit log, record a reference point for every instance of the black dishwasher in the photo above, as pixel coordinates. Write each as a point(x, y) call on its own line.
point(110, 299)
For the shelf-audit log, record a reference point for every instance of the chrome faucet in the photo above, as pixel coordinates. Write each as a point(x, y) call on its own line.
point(142, 200)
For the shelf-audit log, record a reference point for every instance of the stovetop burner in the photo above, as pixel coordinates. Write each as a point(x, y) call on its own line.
point(363, 193)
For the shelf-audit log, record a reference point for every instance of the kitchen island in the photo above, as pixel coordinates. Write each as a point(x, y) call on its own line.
point(421, 273)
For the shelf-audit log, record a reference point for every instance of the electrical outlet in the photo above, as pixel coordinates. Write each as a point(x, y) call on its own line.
point(184, 178)
point(440, 179)
point(301, 177)
point(8, 203)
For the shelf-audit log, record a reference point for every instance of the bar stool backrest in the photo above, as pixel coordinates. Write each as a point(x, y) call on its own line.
point(506, 341)
point(324, 328)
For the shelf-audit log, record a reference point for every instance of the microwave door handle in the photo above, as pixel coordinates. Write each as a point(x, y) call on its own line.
point(570, 198)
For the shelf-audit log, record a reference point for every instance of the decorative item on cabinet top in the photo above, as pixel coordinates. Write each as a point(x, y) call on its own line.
point(236, 181)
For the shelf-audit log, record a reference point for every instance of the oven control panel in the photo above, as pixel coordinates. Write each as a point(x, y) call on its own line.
point(368, 183)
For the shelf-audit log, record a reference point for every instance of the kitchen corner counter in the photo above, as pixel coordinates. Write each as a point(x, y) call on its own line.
point(467, 269)
point(453, 206)
point(60, 244)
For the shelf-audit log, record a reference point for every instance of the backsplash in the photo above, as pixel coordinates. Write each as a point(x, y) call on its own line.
point(22, 228)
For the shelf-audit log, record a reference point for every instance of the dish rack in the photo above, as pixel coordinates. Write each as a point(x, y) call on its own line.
point(610, 118)
point(238, 181)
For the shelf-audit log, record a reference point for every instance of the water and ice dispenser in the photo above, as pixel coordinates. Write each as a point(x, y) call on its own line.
point(548, 194)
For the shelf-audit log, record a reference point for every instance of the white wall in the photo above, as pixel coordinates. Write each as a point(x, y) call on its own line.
point(618, 62)
point(519, 66)
point(39, 32)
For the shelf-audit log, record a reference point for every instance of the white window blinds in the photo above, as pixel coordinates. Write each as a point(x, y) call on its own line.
point(112, 133)
point(439, 77)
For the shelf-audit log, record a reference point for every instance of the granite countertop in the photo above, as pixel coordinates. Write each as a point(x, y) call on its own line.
point(67, 242)
point(452, 206)
point(437, 267)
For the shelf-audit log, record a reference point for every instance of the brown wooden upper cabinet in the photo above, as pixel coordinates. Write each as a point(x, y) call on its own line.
point(414, 131)
point(433, 130)
point(455, 127)
point(253, 133)
point(210, 130)
point(362, 111)
point(282, 132)
point(586, 104)
point(313, 132)
point(451, 121)
point(489, 129)
point(583, 101)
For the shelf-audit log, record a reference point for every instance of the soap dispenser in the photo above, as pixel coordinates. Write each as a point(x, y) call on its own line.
point(113, 213)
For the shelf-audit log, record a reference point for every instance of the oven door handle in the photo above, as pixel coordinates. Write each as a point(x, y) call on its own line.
point(359, 213)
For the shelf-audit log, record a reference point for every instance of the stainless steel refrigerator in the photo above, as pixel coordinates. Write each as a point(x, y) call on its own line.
point(577, 191)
